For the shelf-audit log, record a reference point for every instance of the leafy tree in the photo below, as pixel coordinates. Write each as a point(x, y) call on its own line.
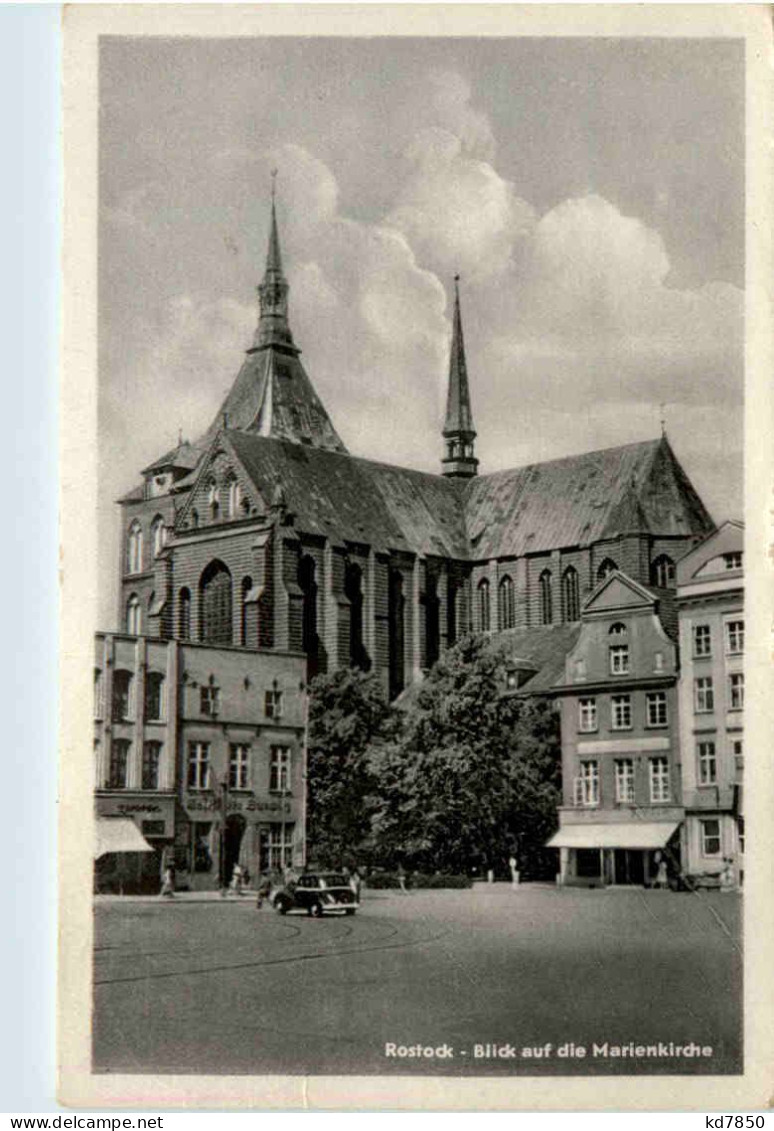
point(347, 712)
point(471, 777)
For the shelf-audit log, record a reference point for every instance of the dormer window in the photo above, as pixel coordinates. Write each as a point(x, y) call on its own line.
point(617, 629)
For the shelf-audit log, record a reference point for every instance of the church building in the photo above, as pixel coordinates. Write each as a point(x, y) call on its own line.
point(266, 533)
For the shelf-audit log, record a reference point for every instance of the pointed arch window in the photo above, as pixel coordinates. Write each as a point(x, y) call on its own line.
point(396, 621)
point(570, 595)
point(247, 585)
point(506, 603)
point(134, 548)
point(307, 580)
point(234, 497)
point(353, 590)
point(546, 598)
point(662, 572)
point(452, 597)
point(213, 499)
point(484, 616)
point(215, 605)
point(158, 535)
point(432, 606)
point(607, 567)
point(133, 615)
point(184, 615)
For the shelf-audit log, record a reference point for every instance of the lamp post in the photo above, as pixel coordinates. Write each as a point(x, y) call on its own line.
point(222, 854)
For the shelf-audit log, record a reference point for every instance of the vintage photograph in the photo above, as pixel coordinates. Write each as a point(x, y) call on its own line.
point(419, 662)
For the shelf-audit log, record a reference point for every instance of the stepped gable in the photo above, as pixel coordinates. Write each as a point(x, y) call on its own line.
point(636, 488)
point(347, 499)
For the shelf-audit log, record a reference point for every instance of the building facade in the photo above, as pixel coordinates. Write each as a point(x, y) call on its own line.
point(710, 596)
point(203, 748)
point(622, 794)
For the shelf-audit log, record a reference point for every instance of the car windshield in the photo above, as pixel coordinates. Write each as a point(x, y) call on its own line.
point(335, 880)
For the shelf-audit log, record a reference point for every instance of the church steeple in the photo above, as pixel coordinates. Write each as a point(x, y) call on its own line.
point(273, 327)
point(459, 461)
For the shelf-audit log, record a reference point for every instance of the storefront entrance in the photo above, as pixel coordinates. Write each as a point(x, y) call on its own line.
point(232, 843)
point(629, 866)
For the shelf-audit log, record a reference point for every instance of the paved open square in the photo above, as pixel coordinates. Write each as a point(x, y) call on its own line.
point(490, 981)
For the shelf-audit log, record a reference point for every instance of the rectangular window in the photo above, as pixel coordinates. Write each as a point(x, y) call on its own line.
point(276, 846)
point(239, 767)
point(736, 691)
point(733, 560)
point(273, 704)
point(659, 780)
point(587, 784)
point(98, 693)
point(707, 765)
point(151, 759)
point(734, 637)
point(657, 708)
point(740, 833)
point(119, 762)
point(209, 700)
point(704, 694)
point(122, 696)
point(279, 770)
point(737, 748)
point(702, 640)
point(624, 780)
point(621, 712)
point(154, 688)
point(619, 659)
point(710, 837)
point(587, 714)
point(198, 765)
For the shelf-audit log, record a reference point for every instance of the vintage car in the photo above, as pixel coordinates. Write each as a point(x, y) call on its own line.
point(316, 893)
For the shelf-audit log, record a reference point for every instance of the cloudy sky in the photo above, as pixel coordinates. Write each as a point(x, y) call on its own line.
point(589, 192)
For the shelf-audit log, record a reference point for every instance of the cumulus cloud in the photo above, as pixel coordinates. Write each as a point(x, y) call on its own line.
point(588, 314)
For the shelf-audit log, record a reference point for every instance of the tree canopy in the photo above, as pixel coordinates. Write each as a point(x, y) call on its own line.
point(456, 777)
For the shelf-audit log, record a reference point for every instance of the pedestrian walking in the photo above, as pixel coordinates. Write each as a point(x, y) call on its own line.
point(168, 882)
point(662, 880)
point(355, 883)
point(236, 880)
point(402, 880)
point(264, 891)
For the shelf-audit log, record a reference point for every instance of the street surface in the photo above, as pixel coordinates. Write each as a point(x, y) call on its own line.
point(203, 985)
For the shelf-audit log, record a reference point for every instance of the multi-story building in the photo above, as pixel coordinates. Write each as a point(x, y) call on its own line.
point(203, 749)
point(710, 596)
point(621, 806)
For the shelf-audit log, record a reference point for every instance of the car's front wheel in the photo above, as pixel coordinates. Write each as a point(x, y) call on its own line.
point(281, 907)
point(316, 911)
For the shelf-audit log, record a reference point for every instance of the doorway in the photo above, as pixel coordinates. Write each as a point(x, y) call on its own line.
point(232, 843)
point(629, 866)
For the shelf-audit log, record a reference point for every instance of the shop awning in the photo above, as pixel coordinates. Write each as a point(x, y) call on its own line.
point(639, 834)
point(119, 834)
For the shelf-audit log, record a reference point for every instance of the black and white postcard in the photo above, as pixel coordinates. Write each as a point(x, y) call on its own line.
point(416, 597)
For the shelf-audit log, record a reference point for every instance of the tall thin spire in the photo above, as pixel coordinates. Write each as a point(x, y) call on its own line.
point(459, 460)
point(273, 326)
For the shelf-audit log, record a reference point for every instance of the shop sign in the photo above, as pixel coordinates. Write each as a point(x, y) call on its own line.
point(236, 805)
